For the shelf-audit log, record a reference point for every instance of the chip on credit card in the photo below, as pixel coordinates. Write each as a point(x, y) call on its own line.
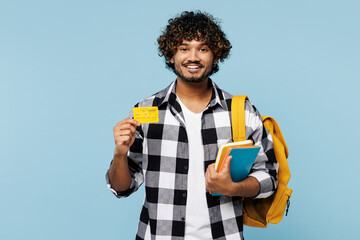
point(146, 114)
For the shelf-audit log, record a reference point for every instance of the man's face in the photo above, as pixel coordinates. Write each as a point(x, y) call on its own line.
point(193, 61)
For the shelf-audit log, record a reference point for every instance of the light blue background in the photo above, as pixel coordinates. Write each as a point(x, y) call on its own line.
point(70, 70)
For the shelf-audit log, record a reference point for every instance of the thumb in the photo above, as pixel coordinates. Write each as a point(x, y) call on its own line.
point(227, 164)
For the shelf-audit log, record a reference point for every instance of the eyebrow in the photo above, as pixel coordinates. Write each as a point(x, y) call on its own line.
point(186, 44)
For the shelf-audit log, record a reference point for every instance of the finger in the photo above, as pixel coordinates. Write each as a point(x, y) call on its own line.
point(227, 164)
point(207, 179)
point(126, 132)
point(135, 123)
point(211, 169)
point(207, 173)
point(211, 174)
point(123, 140)
point(131, 121)
point(125, 127)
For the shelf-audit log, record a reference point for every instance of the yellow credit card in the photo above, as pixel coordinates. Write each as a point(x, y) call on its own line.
point(146, 114)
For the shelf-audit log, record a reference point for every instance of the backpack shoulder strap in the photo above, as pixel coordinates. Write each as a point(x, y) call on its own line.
point(272, 126)
point(238, 118)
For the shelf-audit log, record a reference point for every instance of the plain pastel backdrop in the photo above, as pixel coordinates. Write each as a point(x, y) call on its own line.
point(70, 70)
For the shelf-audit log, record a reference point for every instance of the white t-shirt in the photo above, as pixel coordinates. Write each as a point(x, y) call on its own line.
point(197, 224)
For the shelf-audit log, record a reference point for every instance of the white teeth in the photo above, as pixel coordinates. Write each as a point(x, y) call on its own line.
point(193, 67)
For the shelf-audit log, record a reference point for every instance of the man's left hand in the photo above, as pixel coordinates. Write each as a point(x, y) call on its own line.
point(220, 182)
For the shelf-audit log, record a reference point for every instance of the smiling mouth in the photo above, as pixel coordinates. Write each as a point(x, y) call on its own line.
point(193, 66)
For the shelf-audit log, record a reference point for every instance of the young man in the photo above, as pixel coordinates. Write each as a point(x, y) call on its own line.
point(175, 157)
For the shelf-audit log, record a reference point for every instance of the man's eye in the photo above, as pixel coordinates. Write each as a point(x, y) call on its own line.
point(183, 49)
point(204, 50)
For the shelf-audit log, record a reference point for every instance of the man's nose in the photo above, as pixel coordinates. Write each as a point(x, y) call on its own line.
point(194, 55)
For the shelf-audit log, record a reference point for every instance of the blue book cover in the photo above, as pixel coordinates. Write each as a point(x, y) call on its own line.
point(241, 163)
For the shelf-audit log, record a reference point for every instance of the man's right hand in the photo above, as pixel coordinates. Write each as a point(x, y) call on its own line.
point(124, 135)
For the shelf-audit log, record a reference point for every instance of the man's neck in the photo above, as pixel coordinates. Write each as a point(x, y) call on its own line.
point(194, 95)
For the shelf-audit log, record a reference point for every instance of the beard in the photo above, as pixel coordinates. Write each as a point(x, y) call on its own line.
point(192, 79)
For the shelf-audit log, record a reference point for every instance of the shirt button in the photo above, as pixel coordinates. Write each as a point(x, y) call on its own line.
point(184, 194)
point(183, 219)
point(185, 167)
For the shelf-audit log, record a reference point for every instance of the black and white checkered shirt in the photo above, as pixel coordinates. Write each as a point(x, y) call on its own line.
point(160, 156)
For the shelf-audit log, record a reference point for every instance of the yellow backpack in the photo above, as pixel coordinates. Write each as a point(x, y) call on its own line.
point(260, 212)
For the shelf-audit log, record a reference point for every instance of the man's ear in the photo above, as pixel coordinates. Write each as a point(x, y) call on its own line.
point(172, 60)
point(215, 61)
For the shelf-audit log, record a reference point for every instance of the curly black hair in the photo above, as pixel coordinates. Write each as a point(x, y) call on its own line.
point(193, 26)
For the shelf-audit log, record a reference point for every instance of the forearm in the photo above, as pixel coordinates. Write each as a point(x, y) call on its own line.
point(250, 187)
point(119, 174)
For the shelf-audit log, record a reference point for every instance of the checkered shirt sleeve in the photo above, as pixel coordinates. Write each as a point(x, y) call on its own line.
point(265, 166)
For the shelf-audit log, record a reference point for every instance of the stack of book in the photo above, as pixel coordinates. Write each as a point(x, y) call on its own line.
point(243, 155)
